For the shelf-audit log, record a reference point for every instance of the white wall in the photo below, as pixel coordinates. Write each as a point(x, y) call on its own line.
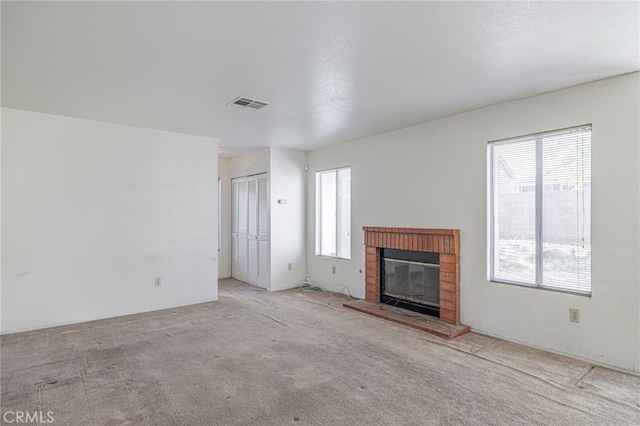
point(434, 176)
point(93, 212)
point(224, 254)
point(252, 163)
point(287, 181)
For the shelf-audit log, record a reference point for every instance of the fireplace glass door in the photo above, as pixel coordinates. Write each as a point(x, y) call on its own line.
point(411, 280)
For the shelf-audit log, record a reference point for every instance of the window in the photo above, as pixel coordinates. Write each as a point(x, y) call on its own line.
point(333, 213)
point(540, 210)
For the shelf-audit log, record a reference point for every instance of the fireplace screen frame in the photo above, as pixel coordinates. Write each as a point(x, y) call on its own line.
point(429, 304)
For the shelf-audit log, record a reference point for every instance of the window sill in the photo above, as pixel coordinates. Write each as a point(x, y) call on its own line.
point(324, 256)
point(533, 286)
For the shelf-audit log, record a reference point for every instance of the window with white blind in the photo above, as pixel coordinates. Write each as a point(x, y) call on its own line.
point(540, 210)
point(333, 213)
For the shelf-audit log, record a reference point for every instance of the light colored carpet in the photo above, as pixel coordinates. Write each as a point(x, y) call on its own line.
point(259, 358)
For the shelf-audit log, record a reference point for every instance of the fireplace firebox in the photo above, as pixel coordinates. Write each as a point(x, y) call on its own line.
point(410, 280)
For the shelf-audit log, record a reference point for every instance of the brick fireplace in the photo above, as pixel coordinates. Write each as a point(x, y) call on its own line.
point(445, 242)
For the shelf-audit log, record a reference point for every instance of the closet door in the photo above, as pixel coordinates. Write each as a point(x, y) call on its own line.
point(234, 227)
point(239, 205)
point(264, 277)
point(250, 232)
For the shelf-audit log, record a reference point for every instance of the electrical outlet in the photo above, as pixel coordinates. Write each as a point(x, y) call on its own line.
point(333, 270)
point(290, 266)
point(158, 282)
point(574, 315)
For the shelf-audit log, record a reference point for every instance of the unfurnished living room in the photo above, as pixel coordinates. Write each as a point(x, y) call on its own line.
point(320, 213)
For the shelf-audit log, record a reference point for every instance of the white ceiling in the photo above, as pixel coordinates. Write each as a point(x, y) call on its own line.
point(331, 72)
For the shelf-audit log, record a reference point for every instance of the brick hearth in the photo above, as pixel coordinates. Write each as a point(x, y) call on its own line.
point(445, 242)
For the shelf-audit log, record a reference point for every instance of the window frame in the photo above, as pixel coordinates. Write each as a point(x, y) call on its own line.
point(539, 214)
point(219, 213)
point(318, 216)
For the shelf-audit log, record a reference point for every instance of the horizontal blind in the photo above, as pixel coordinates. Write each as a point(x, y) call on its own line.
point(540, 210)
point(326, 225)
point(566, 210)
point(333, 213)
point(343, 213)
point(513, 206)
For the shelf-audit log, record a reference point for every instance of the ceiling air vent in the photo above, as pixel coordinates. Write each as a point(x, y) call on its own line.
point(243, 102)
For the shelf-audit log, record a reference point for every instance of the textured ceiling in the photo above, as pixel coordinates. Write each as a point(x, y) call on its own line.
point(331, 72)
